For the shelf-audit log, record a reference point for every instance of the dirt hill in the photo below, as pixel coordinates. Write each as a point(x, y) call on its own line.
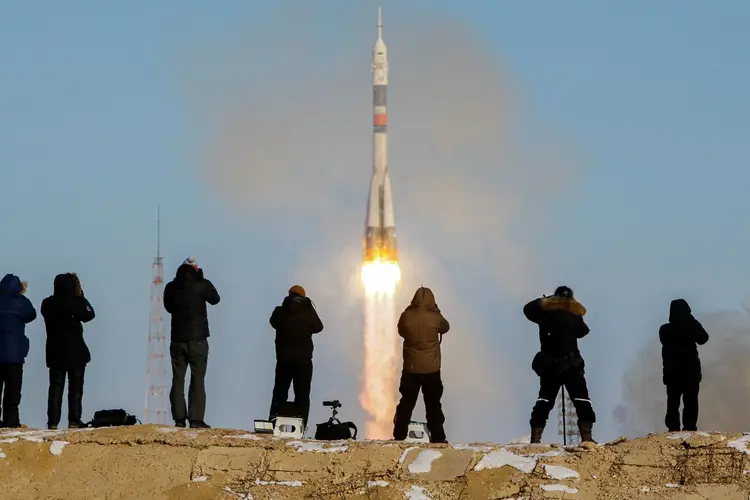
point(152, 462)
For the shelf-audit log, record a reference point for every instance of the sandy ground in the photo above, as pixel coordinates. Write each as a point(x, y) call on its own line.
point(153, 462)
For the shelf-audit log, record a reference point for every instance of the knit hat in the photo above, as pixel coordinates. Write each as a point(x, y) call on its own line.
point(190, 261)
point(298, 290)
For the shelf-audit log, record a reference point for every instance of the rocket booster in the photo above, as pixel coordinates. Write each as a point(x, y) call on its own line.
point(380, 226)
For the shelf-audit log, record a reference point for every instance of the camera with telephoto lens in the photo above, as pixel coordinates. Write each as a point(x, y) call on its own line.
point(334, 429)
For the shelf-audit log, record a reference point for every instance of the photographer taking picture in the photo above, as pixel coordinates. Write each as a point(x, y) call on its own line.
point(295, 322)
point(67, 353)
point(559, 362)
point(185, 298)
point(16, 311)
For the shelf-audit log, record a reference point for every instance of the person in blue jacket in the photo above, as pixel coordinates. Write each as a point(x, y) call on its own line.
point(16, 311)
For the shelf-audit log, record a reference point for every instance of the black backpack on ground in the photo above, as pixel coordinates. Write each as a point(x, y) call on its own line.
point(112, 418)
point(333, 430)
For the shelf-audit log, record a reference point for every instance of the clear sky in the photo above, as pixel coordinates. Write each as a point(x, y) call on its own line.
point(100, 123)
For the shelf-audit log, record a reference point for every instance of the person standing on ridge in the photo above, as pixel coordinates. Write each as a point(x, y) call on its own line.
point(67, 353)
point(16, 311)
point(682, 375)
point(559, 362)
point(185, 299)
point(295, 322)
point(422, 326)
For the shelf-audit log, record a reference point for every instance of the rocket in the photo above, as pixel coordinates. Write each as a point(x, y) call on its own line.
point(380, 226)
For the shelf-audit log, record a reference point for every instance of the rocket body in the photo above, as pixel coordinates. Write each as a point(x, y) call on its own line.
point(380, 226)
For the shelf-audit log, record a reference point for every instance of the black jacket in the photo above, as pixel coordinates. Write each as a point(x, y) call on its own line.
point(185, 299)
point(64, 312)
point(295, 322)
point(680, 339)
point(561, 324)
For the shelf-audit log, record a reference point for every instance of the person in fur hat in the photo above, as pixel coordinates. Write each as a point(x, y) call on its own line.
point(559, 362)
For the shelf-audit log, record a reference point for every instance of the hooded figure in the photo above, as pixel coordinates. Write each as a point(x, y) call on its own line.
point(295, 322)
point(559, 362)
point(682, 375)
point(422, 326)
point(16, 311)
point(67, 353)
point(185, 299)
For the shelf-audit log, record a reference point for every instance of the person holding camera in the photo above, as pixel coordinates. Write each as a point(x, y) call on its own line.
point(295, 322)
point(185, 299)
point(64, 313)
point(422, 326)
point(16, 311)
point(682, 374)
point(559, 362)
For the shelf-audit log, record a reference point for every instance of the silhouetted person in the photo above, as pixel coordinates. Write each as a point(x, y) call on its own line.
point(295, 322)
point(559, 362)
point(422, 326)
point(185, 298)
point(16, 311)
point(67, 353)
point(682, 367)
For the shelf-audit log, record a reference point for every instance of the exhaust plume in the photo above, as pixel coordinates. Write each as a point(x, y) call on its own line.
point(287, 117)
point(724, 401)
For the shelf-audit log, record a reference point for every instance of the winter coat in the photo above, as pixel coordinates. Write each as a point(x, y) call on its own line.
point(16, 311)
point(64, 313)
point(422, 325)
point(561, 324)
point(680, 338)
point(185, 298)
point(295, 322)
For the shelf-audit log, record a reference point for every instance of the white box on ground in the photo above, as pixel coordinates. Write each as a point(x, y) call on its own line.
point(288, 427)
point(417, 433)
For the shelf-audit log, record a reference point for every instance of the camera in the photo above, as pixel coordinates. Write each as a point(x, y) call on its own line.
point(333, 404)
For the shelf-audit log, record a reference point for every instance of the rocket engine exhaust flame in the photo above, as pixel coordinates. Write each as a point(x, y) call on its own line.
point(380, 270)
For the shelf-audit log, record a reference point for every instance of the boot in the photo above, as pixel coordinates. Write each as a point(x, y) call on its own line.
point(199, 424)
point(585, 429)
point(180, 422)
point(536, 434)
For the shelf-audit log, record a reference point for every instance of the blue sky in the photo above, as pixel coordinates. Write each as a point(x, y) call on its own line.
point(99, 127)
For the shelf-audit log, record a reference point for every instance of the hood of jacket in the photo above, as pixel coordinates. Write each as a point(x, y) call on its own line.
point(185, 273)
point(295, 302)
point(66, 285)
point(568, 304)
point(679, 310)
point(424, 298)
point(11, 285)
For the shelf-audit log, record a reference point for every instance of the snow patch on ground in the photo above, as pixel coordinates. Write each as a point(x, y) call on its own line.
point(36, 436)
point(502, 457)
point(672, 485)
point(522, 440)
point(3, 455)
point(56, 447)
point(316, 447)
point(423, 463)
point(405, 453)
point(559, 487)
point(167, 429)
point(8, 440)
point(550, 453)
point(296, 484)
point(200, 479)
point(473, 447)
point(417, 493)
point(249, 435)
point(741, 444)
point(560, 472)
point(375, 484)
point(240, 496)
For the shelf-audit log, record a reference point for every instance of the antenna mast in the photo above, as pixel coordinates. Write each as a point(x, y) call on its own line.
point(156, 370)
point(566, 420)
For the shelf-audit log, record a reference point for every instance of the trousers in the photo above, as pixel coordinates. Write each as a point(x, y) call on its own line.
point(431, 386)
point(11, 379)
point(574, 381)
point(75, 394)
point(688, 392)
point(193, 354)
point(297, 373)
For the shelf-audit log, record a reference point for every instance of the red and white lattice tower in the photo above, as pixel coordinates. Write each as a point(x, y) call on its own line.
point(157, 402)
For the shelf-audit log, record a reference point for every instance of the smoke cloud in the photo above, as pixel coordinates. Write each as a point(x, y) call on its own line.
point(287, 137)
point(724, 402)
